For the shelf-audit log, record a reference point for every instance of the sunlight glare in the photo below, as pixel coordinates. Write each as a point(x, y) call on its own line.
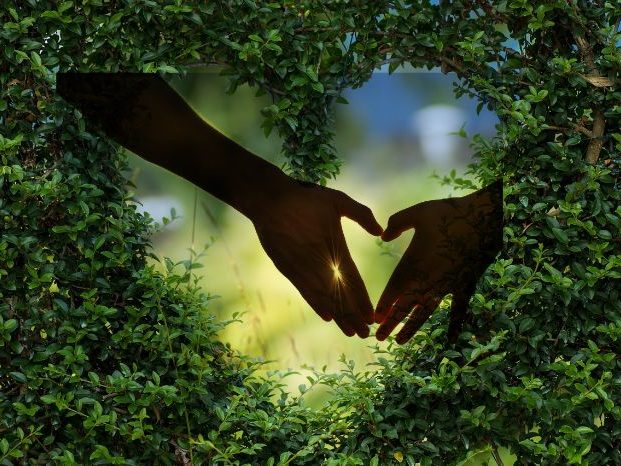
point(337, 272)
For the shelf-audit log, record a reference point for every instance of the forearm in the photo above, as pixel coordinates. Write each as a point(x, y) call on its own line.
point(144, 114)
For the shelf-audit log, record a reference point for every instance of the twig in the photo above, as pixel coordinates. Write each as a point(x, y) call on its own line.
point(586, 51)
point(597, 141)
point(599, 123)
point(496, 456)
point(580, 129)
point(448, 64)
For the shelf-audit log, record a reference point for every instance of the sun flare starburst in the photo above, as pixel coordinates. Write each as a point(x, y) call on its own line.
point(338, 277)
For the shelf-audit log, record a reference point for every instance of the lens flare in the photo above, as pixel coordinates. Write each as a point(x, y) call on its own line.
point(337, 272)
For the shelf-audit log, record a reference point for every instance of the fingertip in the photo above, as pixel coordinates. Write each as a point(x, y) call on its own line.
point(361, 214)
point(381, 336)
point(362, 327)
point(350, 332)
point(389, 235)
point(371, 225)
point(377, 230)
point(359, 299)
point(347, 329)
point(401, 221)
point(402, 338)
point(357, 324)
point(384, 330)
point(319, 309)
point(374, 226)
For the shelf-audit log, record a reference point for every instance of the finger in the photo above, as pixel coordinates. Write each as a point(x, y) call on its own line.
point(344, 326)
point(347, 318)
point(320, 303)
point(359, 213)
point(328, 308)
point(399, 312)
point(350, 310)
point(416, 320)
point(352, 316)
point(397, 284)
point(347, 284)
point(341, 316)
point(322, 296)
point(401, 221)
point(360, 307)
point(330, 303)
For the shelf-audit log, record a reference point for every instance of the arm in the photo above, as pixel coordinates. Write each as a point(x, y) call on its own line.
point(298, 224)
point(145, 115)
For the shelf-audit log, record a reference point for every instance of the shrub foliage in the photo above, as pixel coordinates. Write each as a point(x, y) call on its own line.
point(103, 360)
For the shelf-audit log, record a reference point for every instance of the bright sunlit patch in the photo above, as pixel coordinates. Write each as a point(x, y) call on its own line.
point(337, 272)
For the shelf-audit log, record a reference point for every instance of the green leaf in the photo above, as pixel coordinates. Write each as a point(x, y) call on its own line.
point(560, 235)
point(604, 234)
point(10, 325)
point(167, 69)
point(18, 376)
point(276, 48)
point(318, 87)
point(36, 58)
point(48, 399)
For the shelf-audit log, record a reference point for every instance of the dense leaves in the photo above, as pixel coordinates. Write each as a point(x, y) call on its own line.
point(105, 361)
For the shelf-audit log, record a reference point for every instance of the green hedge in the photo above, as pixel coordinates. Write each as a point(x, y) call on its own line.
point(105, 361)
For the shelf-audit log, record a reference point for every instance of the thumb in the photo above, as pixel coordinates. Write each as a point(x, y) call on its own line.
point(360, 214)
point(401, 221)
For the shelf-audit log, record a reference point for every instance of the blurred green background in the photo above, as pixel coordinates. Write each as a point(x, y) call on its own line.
point(396, 131)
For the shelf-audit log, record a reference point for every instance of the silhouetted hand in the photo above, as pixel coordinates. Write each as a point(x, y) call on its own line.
point(455, 240)
point(301, 232)
point(298, 223)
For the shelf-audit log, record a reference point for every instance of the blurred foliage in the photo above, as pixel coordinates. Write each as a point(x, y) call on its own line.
point(105, 361)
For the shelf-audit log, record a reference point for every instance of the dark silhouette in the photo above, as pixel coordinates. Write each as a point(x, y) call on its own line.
point(455, 240)
point(298, 224)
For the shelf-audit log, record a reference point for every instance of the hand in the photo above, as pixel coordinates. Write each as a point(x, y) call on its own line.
point(455, 241)
point(301, 232)
point(298, 224)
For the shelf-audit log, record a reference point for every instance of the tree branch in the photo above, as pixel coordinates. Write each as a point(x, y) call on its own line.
point(597, 140)
point(586, 51)
point(449, 64)
point(599, 123)
point(575, 127)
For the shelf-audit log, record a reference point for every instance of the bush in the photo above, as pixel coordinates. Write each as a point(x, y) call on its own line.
point(105, 361)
